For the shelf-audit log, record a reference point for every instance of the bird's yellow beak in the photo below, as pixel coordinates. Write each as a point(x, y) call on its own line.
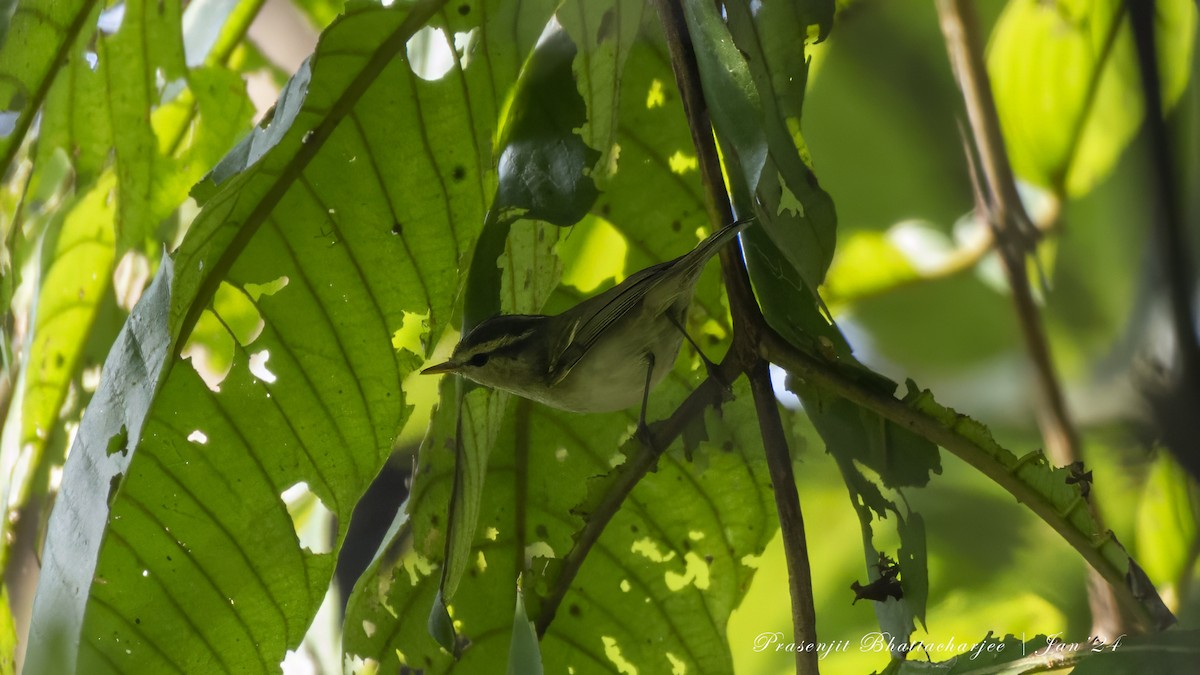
point(446, 367)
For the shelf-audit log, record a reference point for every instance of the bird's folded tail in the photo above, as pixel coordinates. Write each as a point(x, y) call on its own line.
point(698, 257)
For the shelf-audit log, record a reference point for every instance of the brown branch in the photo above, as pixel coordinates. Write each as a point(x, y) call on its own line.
point(709, 393)
point(791, 520)
point(826, 376)
point(748, 323)
point(1015, 235)
point(743, 357)
point(1175, 403)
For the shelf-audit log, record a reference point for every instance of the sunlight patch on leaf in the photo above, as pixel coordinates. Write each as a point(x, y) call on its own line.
point(678, 666)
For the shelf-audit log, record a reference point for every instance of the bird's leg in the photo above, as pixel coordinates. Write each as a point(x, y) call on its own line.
point(711, 367)
point(643, 430)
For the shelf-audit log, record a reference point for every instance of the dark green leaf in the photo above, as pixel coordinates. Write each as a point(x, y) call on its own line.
point(198, 526)
point(543, 162)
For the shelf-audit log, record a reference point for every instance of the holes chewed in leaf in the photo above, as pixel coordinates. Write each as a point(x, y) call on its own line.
point(695, 574)
point(238, 313)
point(210, 350)
point(612, 650)
point(310, 518)
point(648, 548)
point(266, 289)
point(538, 549)
point(429, 54)
point(119, 442)
point(109, 21)
point(412, 333)
point(258, 366)
point(655, 98)
point(682, 162)
point(129, 279)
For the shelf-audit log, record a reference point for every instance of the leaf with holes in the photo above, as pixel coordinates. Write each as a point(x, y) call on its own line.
point(308, 254)
point(39, 34)
point(655, 592)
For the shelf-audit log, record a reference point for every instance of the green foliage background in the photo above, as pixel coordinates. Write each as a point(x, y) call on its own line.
point(318, 258)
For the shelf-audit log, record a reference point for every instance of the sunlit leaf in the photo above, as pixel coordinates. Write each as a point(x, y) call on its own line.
point(661, 580)
point(38, 35)
point(315, 398)
point(1067, 84)
point(1166, 523)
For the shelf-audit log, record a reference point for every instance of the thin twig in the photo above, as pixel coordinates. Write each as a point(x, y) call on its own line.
point(825, 376)
point(663, 434)
point(1176, 406)
point(1002, 206)
point(791, 519)
point(962, 259)
point(748, 322)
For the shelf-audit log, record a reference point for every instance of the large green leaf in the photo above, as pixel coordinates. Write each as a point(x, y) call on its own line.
point(656, 590)
point(148, 45)
point(787, 288)
point(79, 251)
point(40, 36)
point(331, 226)
point(1067, 85)
point(554, 455)
point(750, 80)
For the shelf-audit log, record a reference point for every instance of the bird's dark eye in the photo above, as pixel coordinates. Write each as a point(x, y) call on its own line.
point(478, 360)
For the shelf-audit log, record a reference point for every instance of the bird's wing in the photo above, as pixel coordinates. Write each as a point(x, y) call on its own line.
point(587, 328)
point(615, 302)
